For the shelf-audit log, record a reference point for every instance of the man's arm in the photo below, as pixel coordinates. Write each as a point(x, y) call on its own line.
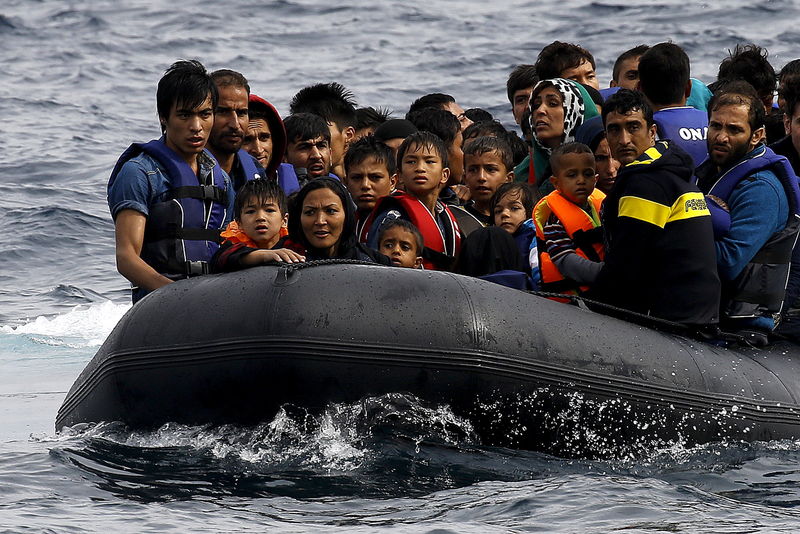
point(758, 209)
point(129, 232)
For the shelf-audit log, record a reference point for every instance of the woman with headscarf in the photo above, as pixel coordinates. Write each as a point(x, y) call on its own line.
point(558, 108)
point(322, 223)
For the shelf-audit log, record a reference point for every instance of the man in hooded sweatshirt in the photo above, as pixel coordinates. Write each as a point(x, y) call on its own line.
point(266, 141)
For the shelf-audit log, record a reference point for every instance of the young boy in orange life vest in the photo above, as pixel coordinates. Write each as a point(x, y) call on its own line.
point(257, 234)
point(568, 231)
point(423, 170)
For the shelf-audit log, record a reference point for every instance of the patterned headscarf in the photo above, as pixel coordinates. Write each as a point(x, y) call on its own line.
point(574, 108)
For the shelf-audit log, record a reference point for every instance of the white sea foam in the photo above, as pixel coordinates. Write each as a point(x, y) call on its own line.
point(82, 326)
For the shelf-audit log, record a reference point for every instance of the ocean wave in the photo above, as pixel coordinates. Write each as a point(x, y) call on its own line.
point(83, 326)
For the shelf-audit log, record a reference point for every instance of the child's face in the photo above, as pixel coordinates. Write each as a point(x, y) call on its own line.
point(509, 212)
point(401, 247)
point(262, 220)
point(421, 171)
point(368, 181)
point(485, 173)
point(576, 177)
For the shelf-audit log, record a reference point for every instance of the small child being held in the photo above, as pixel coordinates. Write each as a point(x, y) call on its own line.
point(512, 205)
point(254, 237)
point(402, 242)
point(422, 168)
point(570, 238)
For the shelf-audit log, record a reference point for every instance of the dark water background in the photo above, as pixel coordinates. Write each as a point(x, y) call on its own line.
point(78, 85)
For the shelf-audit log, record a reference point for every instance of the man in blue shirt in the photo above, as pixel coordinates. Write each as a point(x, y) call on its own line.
point(664, 80)
point(753, 196)
point(169, 198)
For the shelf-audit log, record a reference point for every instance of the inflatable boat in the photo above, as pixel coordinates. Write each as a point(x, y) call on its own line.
point(526, 371)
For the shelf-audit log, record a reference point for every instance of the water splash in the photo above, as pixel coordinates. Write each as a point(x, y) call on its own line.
point(82, 326)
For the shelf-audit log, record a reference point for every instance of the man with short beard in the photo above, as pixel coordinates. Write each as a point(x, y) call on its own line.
point(755, 203)
point(231, 120)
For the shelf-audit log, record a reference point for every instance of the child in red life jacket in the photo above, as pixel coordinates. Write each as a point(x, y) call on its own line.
point(257, 234)
point(423, 170)
point(402, 242)
point(568, 231)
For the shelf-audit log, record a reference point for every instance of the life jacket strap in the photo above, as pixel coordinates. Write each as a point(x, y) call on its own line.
point(196, 268)
point(193, 234)
point(201, 192)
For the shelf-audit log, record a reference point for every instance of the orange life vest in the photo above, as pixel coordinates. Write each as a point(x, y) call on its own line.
point(580, 227)
point(234, 234)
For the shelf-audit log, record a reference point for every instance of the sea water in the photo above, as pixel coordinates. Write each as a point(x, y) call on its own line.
point(78, 86)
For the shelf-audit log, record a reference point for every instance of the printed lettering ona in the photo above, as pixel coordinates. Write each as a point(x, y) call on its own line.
point(695, 204)
point(693, 134)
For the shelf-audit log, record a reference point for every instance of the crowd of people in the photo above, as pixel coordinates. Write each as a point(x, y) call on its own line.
point(659, 195)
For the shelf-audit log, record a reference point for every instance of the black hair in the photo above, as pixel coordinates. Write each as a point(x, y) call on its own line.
point(302, 126)
point(348, 238)
point(527, 196)
point(593, 93)
point(405, 225)
point(423, 139)
point(185, 84)
point(664, 74)
point(478, 114)
point(432, 100)
point(636, 51)
point(790, 69)
point(525, 124)
point(370, 117)
point(522, 77)
point(739, 93)
point(438, 121)
point(369, 147)
point(331, 101)
point(484, 144)
point(626, 101)
point(481, 128)
point(558, 56)
point(567, 148)
point(749, 63)
point(791, 93)
point(263, 190)
point(227, 77)
point(519, 148)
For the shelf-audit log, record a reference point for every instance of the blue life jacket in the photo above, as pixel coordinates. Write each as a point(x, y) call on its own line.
point(760, 288)
point(183, 227)
point(608, 91)
point(287, 178)
point(686, 127)
point(249, 170)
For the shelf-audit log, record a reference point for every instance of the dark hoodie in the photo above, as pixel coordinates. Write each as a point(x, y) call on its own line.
point(277, 130)
point(349, 248)
point(660, 258)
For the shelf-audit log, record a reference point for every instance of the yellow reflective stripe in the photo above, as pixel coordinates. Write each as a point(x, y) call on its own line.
point(644, 210)
point(651, 153)
point(689, 205)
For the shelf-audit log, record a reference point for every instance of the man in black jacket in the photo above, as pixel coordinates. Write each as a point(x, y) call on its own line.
point(660, 257)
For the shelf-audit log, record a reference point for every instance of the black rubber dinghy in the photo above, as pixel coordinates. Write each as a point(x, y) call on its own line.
point(526, 371)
